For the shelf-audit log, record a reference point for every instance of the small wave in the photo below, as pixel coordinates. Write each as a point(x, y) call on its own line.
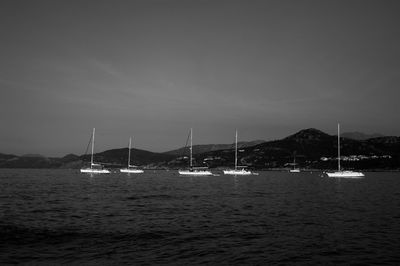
point(13, 234)
point(161, 197)
point(133, 198)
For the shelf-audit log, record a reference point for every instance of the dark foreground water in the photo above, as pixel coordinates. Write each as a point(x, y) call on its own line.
point(64, 217)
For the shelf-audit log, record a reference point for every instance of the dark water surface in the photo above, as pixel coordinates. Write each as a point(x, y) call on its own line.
point(64, 217)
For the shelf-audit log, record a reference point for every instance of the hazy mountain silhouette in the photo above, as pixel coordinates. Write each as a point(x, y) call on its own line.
point(119, 157)
point(197, 149)
point(309, 145)
point(360, 136)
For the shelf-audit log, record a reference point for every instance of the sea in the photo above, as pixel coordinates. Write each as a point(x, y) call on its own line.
point(52, 217)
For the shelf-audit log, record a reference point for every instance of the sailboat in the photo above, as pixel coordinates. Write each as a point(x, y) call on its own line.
point(132, 169)
point(237, 171)
point(339, 172)
point(94, 168)
point(194, 171)
point(294, 170)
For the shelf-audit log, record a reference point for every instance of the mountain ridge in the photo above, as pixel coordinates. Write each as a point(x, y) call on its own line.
point(310, 146)
point(360, 136)
point(212, 147)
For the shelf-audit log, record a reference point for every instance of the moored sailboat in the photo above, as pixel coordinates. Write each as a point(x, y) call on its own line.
point(294, 170)
point(193, 171)
point(237, 171)
point(95, 168)
point(131, 169)
point(339, 172)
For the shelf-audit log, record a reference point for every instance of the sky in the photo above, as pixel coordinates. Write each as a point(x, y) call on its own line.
point(153, 69)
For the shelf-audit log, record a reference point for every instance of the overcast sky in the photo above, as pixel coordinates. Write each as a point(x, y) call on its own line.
point(153, 69)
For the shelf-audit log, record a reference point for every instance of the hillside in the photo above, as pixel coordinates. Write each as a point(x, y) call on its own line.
point(111, 158)
point(30, 161)
point(119, 157)
point(314, 149)
point(198, 149)
point(360, 136)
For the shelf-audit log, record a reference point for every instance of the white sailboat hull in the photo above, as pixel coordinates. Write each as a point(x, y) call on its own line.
point(345, 174)
point(237, 172)
point(131, 171)
point(95, 171)
point(195, 172)
point(294, 170)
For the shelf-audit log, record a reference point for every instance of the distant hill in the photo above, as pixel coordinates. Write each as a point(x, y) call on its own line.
point(197, 149)
point(111, 158)
point(28, 162)
point(390, 144)
point(4, 157)
point(310, 146)
point(33, 155)
point(314, 149)
point(119, 157)
point(35, 161)
point(309, 143)
point(70, 157)
point(360, 136)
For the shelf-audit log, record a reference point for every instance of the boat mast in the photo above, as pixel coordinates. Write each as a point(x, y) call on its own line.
point(236, 150)
point(338, 139)
point(91, 161)
point(129, 153)
point(294, 160)
point(191, 144)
